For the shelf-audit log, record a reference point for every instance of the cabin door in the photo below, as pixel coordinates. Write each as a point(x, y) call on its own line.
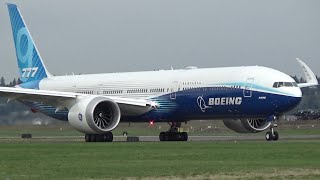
point(174, 88)
point(247, 92)
point(75, 84)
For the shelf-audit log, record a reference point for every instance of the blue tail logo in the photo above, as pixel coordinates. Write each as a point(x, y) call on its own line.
point(31, 67)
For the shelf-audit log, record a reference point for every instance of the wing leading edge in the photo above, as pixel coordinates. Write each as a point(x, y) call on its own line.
point(58, 99)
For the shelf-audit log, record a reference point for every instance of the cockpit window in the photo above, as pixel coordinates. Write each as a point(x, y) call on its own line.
point(284, 84)
point(288, 84)
point(275, 85)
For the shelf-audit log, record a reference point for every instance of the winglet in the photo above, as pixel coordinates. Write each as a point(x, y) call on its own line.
point(308, 74)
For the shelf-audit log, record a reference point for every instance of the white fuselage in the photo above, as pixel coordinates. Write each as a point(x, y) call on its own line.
point(151, 84)
point(186, 94)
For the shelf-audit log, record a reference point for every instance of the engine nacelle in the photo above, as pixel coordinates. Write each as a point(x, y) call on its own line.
point(247, 125)
point(95, 115)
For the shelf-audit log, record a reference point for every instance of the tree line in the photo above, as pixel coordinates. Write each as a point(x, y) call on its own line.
point(11, 83)
point(7, 108)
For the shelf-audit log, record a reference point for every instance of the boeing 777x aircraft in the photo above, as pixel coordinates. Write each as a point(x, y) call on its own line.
point(248, 99)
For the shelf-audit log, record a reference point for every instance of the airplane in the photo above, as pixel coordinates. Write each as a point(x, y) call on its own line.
point(249, 99)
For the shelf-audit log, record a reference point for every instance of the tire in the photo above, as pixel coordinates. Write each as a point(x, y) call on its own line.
point(167, 136)
point(108, 137)
point(87, 137)
point(184, 136)
point(275, 136)
point(269, 136)
point(180, 137)
point(162, 136)
point(92, 138)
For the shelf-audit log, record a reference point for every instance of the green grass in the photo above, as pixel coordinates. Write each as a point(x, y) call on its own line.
point(202, 160)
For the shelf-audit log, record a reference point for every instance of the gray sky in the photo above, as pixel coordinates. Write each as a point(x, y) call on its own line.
point(132, 35)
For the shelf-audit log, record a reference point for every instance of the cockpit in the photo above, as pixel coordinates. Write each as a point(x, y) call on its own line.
point(285, 84)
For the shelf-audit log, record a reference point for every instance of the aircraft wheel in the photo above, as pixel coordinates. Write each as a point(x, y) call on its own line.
point(184, 136)
point(162, 136)
point(87, 137)
point(92, 138)
point(167, 136)
point(269, 136)
point(276, 136)
point(108, 137)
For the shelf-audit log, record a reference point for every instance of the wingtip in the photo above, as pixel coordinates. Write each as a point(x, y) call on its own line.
point(308, 74)
point(302, 63)
point(298, 59)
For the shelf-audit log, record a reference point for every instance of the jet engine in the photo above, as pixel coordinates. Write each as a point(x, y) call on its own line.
point(94, 115)
point(247, 125)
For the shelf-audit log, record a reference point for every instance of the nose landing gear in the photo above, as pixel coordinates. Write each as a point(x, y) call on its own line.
point(272, 135)
point(173, 133)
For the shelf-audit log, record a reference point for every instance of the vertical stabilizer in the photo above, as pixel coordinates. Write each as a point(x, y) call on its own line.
point(31, 67)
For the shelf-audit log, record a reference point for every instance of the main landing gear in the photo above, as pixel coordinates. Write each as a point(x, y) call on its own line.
point(108, 137)
point(173, 134)
point(272, 134)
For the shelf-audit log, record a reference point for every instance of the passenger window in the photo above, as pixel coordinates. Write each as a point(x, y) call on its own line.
point(295, 84)
point(280, 84)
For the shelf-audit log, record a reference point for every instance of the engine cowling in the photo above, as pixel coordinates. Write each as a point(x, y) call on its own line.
point(247, 125)
point(95, 115)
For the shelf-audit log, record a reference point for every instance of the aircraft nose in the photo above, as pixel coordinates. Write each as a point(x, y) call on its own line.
point(297, 92)
point(291, 101)
point(294, 101)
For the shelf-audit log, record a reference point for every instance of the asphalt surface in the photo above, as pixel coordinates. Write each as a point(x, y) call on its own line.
point(233, 138)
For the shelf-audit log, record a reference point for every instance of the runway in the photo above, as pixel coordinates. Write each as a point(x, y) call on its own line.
point(156, 138)
point(233, 138)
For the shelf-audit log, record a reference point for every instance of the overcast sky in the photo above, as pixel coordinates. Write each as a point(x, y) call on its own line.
point(133, 35)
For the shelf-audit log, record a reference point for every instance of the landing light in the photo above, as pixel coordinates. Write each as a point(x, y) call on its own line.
point(151, 123)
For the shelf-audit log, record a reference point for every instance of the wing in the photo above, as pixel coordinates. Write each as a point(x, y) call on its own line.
point(128, 106)
point(308, 74)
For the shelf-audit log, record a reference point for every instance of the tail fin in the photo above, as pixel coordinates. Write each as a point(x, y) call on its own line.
point(31, 67)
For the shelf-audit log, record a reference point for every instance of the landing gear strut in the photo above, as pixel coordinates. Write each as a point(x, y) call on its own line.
point(272, 134)
point(173, 134)
point(108, 137)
